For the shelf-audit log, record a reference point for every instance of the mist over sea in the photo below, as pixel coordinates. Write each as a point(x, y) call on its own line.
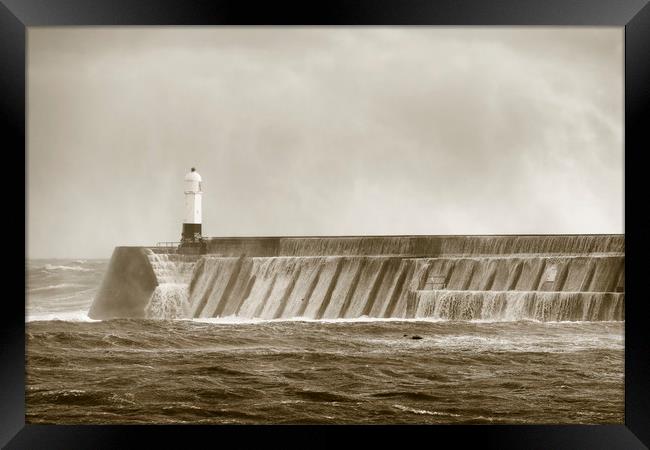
point(231, 370)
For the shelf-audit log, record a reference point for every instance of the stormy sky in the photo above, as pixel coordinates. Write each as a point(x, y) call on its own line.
point(321, 131)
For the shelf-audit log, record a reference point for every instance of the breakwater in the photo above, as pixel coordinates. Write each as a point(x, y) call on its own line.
point(546, 277)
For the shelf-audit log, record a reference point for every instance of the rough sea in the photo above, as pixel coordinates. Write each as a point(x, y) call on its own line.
point(346, 371)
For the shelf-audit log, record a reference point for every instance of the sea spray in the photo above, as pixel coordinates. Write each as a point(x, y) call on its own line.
point(171, 267)
point(517, 305)
point(168, 301)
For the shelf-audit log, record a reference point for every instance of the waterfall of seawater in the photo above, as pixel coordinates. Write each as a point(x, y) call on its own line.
point(498, 287)
point(513, 305)
point(169, 299)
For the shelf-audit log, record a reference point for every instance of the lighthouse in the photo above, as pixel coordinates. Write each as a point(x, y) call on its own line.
point(192, 221)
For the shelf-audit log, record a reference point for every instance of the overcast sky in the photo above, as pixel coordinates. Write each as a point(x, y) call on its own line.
point(321, 131)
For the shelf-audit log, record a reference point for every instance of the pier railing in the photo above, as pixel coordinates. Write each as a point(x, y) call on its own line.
point(168, 244)
point(186, 248)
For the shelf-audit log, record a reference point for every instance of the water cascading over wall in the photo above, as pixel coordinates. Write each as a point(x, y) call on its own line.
point(169, 300)
point(144, 283)
point(549, 278)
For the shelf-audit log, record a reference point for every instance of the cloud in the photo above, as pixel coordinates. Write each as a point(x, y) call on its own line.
point(321, 131)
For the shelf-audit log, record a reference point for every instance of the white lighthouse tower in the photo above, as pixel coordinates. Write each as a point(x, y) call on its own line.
point(192, 222)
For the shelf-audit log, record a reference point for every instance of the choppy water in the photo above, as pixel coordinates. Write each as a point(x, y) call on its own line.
point(62, 289)
point(339, 371)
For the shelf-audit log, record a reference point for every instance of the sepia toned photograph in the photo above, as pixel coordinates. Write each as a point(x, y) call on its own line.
point(325, 225)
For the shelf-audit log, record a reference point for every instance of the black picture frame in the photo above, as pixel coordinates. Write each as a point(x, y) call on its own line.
point(634, 15)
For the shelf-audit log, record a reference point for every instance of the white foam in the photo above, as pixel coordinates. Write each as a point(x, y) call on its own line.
point(54, 286)
point(168, 301)
point(424, 411)
point(226, 320)
point(366, 319)
point(66, 316)
point(362, 319)
point(74, 268)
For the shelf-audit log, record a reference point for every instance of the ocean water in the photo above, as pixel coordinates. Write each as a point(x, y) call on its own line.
point(379, 371)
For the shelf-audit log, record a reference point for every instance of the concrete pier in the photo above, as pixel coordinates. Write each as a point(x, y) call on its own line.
point(375, 276)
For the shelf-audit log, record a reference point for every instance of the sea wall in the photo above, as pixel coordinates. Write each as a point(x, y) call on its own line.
point(416, 246)
point(127, 286)
point(378, 286)
point(139, 281)
point(565, 277)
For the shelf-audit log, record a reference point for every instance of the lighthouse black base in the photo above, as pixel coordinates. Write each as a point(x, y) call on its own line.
point(191, 232)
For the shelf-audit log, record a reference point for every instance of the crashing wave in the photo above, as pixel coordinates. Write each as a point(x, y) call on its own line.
point(168, 301)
